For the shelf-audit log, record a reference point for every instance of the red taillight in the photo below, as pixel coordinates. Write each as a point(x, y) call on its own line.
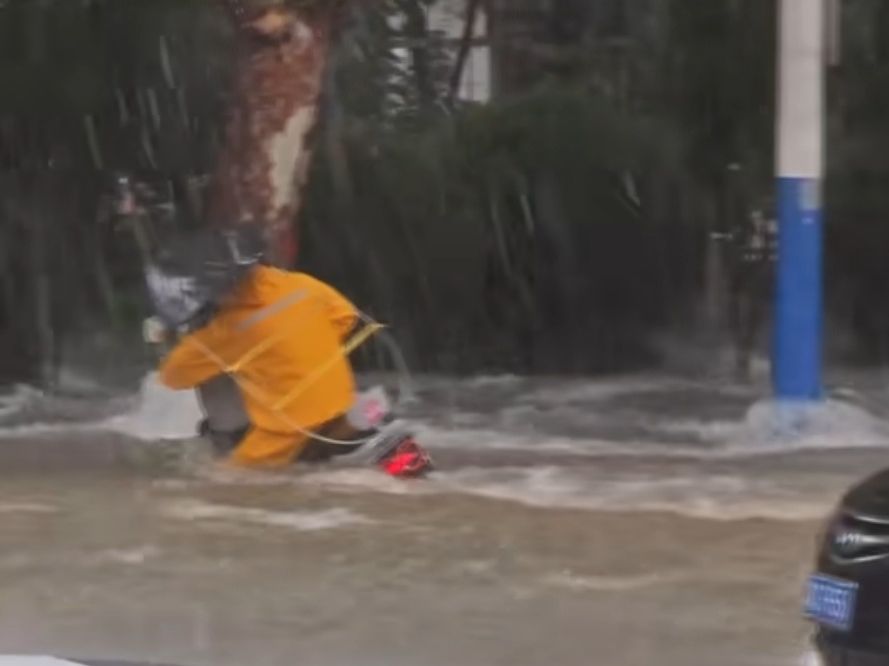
point(408, 460)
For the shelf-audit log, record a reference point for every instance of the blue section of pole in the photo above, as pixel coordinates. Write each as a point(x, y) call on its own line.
point(798, 321)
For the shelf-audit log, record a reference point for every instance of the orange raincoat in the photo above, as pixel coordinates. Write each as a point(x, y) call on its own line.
point(282, 333)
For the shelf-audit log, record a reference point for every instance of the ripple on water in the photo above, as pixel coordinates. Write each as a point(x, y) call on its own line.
point(304, 521)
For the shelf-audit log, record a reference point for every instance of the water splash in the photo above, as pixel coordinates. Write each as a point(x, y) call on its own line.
point(158, 413)
point(770, 426)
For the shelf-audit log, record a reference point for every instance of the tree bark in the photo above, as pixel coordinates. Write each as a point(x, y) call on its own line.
point(282, 54)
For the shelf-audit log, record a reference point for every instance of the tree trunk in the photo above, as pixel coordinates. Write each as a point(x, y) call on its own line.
point(264, 162)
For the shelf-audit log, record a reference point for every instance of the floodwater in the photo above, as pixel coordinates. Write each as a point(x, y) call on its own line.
point(642, 520)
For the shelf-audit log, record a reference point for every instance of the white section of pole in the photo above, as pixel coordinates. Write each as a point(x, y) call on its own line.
point(801, 89)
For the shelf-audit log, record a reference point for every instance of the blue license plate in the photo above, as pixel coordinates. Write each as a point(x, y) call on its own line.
point(831, 602)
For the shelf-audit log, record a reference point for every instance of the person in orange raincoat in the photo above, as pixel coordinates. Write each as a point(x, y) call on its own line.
point(284, 337)
point(296, 325)
point(280, 334)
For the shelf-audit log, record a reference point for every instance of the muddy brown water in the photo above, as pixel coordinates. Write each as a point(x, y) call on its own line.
point(622, 549)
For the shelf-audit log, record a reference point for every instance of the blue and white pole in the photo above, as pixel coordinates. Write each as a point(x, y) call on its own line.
point(797, 350)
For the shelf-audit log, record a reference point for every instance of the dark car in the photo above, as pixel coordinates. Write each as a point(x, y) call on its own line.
point(848, 595)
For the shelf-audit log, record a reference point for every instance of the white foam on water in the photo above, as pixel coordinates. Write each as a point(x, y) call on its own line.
point(37, 429)
point(765, 429)
point(701, 495)
point(304, 521)
point(365, 479)
point(155, 413)
point(129, 556)
point(14, 402)
point(771, 427)
point(570, 581)
point(585, 391)
point(711, 497)
point(216, 473)
point(493, 381)
point(810, 658)
point(158, 413)
point(437, 437)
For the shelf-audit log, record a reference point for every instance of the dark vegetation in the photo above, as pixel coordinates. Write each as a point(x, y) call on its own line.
point(558, 228)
